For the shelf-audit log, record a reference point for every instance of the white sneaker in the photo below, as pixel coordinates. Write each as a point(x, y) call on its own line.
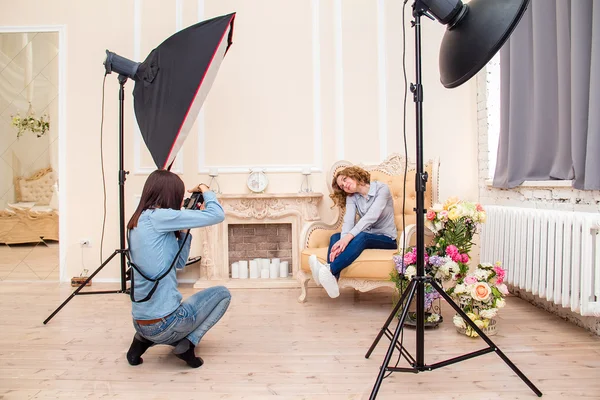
point(329, 282)
point(315, 266)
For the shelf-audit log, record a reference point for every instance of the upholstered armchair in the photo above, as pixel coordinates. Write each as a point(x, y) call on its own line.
point(373, 267)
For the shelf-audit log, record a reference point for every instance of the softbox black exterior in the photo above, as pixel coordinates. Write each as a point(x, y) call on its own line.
point(173, 81)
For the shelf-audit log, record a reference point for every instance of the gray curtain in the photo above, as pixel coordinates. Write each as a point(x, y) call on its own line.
point(550, 96)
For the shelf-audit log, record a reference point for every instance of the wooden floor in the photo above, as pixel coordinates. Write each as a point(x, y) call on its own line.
point(267, 345)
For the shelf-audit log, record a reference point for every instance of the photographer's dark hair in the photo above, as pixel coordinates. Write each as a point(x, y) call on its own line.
point(163, 189)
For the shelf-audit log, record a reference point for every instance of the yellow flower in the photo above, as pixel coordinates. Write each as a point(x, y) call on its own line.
point(452, 201)
point(454, 214)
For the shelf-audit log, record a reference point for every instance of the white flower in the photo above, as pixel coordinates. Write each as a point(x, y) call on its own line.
point(452, 266)
point(460, 288)
point(410, 272)
point(444, 270)
point(500, 303)
point(482, 274)
point(491, 313)
point(437, 207)
point(459, 322)
point(433, 318)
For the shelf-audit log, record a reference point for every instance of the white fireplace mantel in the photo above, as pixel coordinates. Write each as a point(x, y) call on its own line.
point(297, 209)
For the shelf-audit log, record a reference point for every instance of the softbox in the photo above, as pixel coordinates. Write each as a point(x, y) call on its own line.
point(173, 81)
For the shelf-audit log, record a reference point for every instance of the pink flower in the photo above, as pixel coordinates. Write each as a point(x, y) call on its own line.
point(452, 251)
point(500, 274)
point(410, 258)
point(431, 215)
point(502, 288)
point(479, 207)
point(464, 258)
point(444, 215)
point(469, 280)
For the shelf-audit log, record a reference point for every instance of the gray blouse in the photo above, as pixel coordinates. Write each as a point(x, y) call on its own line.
point(375, 212)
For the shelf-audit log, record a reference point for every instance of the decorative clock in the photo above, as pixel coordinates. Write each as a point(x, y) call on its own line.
point(257, 181)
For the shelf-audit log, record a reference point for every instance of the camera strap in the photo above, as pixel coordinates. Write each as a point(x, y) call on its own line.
point(157, 280)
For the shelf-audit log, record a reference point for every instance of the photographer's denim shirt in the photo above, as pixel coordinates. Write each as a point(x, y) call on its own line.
point(153, 246)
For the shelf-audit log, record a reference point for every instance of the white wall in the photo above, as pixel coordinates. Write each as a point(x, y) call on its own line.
point(305, 83)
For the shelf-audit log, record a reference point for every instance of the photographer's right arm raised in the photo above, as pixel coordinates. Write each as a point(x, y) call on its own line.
point(373, 267)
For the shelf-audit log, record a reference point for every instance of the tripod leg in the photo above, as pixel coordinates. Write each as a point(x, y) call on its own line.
point(489, 341)
point(83, 285)
point(388, 356)
point(389, 320)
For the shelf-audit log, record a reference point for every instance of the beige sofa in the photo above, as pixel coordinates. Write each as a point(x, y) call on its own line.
point(372, 268)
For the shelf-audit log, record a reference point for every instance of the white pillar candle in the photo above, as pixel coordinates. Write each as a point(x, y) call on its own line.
point(243, 269)
point(253, 269)
point(264, 263)
point(235, 270)
point(264, 273)
point(274, 271)
point(283, 269)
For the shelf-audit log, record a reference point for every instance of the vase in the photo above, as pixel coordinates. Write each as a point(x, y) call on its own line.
point(489, 330)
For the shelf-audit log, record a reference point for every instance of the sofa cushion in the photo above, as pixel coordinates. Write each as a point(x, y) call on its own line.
point(371, 264)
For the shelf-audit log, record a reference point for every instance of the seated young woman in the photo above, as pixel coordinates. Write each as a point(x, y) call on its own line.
point(157, 231)
point(368, 224)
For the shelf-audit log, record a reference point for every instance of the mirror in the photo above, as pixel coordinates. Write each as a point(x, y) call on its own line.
point(29, 156)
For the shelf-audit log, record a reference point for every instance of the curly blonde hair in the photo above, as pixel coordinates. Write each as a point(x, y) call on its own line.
point(357, 173)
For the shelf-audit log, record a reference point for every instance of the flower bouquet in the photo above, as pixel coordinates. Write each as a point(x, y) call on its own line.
point(441, 268)
point(453, 224)
point(480, 295)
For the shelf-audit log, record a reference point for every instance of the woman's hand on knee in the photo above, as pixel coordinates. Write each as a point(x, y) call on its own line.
point(340, 246)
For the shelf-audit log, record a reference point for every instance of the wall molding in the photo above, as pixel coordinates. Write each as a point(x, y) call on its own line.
point(317, 164)
point(382, 81)
point(339, 80)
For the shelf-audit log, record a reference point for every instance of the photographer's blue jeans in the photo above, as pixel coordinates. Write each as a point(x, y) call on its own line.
point(194, 317)
point(361, 242)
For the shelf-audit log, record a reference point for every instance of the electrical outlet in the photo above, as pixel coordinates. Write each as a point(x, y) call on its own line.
point(85, 243)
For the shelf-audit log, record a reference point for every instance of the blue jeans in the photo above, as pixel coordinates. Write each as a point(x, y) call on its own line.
point(361, 242)
point(192, 319)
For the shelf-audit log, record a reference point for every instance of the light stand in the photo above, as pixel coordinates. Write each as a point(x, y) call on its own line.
point(417, 283)
point(122, 251)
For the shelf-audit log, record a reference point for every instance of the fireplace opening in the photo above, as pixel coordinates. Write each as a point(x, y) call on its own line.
point(250, 241)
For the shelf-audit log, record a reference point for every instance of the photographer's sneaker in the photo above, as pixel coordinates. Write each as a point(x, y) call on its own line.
point(315, 266)
point(329, 282)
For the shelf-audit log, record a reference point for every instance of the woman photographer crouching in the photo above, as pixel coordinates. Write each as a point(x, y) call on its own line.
point(157, 230)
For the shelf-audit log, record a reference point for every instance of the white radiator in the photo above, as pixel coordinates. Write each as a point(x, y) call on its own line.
point(552, 254)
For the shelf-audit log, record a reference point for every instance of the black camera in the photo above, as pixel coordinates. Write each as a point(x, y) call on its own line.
point(192, 202)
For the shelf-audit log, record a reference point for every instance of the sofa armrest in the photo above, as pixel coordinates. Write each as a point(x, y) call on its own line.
point(409, 232)
point(318, 234)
